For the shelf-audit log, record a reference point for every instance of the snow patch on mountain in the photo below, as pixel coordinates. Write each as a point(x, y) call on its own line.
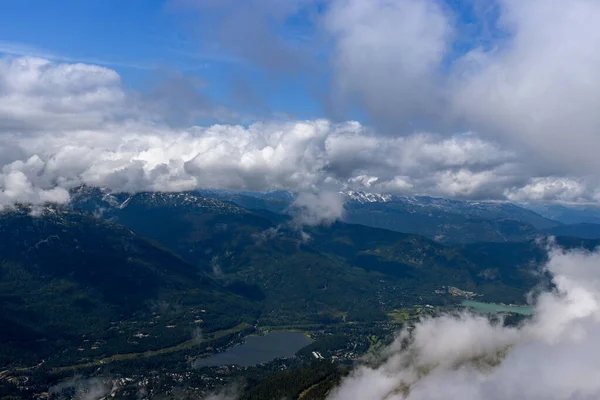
point(364, 197)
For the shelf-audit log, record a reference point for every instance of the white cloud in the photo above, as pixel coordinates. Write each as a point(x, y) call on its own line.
point(551, 357)
point(540, 87)
point(551, 188)
point(323, 207)
point(62, 125)
point(530, 81)
point(387, 57)
point(36, 94)
point(18, 189)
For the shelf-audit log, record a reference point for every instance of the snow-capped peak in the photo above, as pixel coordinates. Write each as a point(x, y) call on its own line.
point(364, 197)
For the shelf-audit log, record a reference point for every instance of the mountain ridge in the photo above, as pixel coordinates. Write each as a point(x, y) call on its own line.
point(64, 274)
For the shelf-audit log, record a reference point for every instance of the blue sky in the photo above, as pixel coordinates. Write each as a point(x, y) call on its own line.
point(281, 71)
point(138, 33)
point(139, 37)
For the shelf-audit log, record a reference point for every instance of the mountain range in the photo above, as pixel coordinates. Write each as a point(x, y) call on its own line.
point(117, 260)
point(568, 214)
point(444, 220)
point(66, 275)
point(115, 274)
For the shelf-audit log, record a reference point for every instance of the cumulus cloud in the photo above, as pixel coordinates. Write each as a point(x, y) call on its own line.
point(527, 76)
point(323, 207)
point(522, 75)
point(37, 94)
point(540, 86)
point(468, 357)
point(552, 188)
point(387, 57)
point(75, 136)
point(18, 189)
point(62, 125)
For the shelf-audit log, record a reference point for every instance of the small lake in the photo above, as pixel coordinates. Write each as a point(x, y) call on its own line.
point(487, 308)
point(258, 349)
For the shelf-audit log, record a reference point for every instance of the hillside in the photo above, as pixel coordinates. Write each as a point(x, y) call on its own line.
point(165, 278)
point(583, 230)
point(567, 214)
point(319, 274)
point(442, 226)
point(277, 202)
point(64, 275)
point(468, 208)
point(444, 220)
point(425, 264)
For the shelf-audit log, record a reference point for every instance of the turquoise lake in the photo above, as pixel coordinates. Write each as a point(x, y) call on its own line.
point(487, 308)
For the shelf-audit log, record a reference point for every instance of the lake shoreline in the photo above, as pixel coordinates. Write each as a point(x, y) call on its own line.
point(258, 349)
point(490, 308)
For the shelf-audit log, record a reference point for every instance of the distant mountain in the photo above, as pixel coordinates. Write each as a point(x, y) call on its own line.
point(467, 208)
point(583, 230)
point(312, 275)
point(326, 272)
point(437, 223)
point(567, 214)
point(279, 201)
point(187, 223)
point(100, 200)
point(161, 266)
point(65, 275)
point(123, 280)
point(444, 220)
point(274, 201)
point(364, 197)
